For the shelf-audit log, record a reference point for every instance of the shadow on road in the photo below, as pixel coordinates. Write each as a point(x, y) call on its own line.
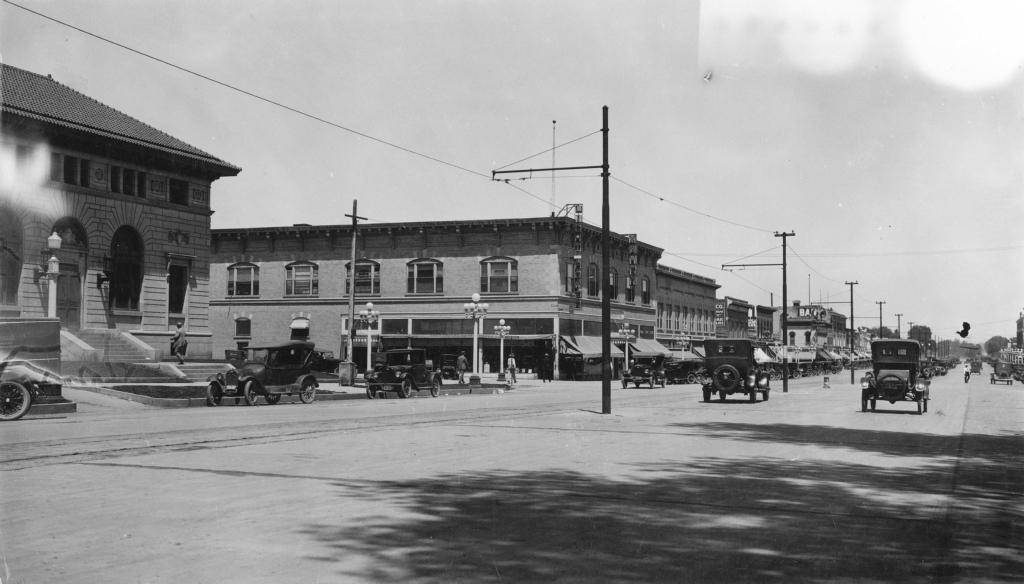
point(714, 520)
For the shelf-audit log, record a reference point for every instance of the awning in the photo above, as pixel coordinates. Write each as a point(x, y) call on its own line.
point(586, 346)
point(648, 348)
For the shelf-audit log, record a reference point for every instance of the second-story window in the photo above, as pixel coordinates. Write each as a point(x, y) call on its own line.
point(243, 280)
point(613, 284)
point(367, 277)
point(592, 281)
point(302, 279)
point(499, 275)
point(630, 289)
point(645, 290)
point(426, 277)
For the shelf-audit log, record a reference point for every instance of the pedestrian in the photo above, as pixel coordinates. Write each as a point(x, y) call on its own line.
point(179, 344)
point(510, 364)
point(967, 372)
point(546, 367)
point(461, 364)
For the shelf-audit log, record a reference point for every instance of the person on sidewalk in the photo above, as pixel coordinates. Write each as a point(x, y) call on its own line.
point(510, 366)
point(461, 365)
point(547, 368)
point(179, 344)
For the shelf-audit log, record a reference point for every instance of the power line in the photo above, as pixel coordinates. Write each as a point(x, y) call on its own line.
point(695, 211)
point(553, 148)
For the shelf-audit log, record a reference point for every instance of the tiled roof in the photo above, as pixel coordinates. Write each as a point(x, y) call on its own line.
point(35, 96)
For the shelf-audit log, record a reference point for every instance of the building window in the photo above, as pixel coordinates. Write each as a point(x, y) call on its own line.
point(140, 184)
point(645, 290)
point(301, 279)
point(569, 271)
point(499, 275)
point(592, 280)
point(243, 280)
point(115, 179)
point(243, 327)
point(128, 177)
point(126, 253)
point(179, 192)
point(367, 279)
point(426, 277)
point(613, 284)
point(660, 315)
point(11, 252)
point(630, 289)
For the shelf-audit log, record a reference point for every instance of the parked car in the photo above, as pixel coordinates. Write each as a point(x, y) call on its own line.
point(403, 371)
point(286, 369)
point(21, 384)
point(449, 369)
point(896, 375)
point(734, 369)
point(649, 370)
point(1002, 372)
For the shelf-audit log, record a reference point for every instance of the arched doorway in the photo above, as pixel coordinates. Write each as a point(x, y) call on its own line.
point(126, 269)
point(73, 253)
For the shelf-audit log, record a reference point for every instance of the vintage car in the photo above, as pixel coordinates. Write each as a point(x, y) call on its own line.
point(21, 384)
point(403, 371)
point(649, 370)
point(734, 369)
point(896, 375)
point(449, 366)
point(1002, 372)
point(683, 371)
point(286, 369)
point(976, 365)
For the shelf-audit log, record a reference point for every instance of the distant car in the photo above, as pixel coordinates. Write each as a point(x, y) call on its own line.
point(897, 374)
point(449, 364)
point(21, 384)
point(649, 370)
point(733, 369)
point(1002, 373)
point(403, 371)
point(286, 369)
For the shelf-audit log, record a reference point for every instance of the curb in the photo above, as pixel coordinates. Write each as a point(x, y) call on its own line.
point(38, 409)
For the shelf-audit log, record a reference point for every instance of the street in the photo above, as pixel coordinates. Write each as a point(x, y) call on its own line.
point(534, 485)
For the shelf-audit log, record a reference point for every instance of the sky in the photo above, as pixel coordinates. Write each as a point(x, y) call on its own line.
point(888, 136)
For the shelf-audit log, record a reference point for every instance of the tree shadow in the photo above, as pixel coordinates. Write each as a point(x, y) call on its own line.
point(712, 520)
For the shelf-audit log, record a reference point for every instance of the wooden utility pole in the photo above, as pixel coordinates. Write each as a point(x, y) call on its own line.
point(852, 360)
point(352, 286)
point(785, 309)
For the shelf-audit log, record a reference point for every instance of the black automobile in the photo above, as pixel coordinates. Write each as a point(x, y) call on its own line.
point(1002, 372)
point(285, 369)
point(449, 366)
point(734, 369)
point(403, 371)
point(897, 374)
point(22, 383)
point(649, 370)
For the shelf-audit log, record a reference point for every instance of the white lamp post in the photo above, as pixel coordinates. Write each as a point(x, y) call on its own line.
point(476, 310)
point(52, 272)
point(626, 334)
point(369, 318)
point(501, 330)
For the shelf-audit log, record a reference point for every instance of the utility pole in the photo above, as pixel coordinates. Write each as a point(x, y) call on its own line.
point(880, 303)
point(352, 286)
point(851, 285)
point(606, 302)
point(899, 322)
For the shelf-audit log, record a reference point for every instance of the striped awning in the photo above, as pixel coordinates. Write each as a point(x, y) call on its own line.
point(586, 346)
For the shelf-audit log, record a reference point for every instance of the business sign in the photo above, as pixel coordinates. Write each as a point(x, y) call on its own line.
point(815, 312)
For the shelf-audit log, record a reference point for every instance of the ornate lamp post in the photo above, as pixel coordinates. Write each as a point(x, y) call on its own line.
point(476, 310)
point(369, 317)
point(501, 330)
point(626, 334)
point(52, 272)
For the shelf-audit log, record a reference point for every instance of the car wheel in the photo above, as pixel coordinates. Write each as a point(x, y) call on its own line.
point(214, 394)
point(371, 392)
point(663, 383)
point(435, 388)
point(707, 395)
point(691, 378)
point(405, 390)
point(308, 392)
point(251, 397)
point(625, 384)
point(753, 396)
point(15, 400)
point(920, 409)
point(766, 392)
point(873, 403)
point(726, 377)
point(651, 381)
point(926, 405)
point(272, 398)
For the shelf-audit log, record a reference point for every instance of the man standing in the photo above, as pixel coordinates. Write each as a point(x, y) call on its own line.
point(179, 344)
point(461, 364)
point(511, 366)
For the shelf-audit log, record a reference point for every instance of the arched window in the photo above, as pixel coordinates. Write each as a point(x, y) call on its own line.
point(645, 290)
point(792, 338)
point(367, 279)
point(499, 274)
point(302, 279)
point(11, 254)
point(126, 253)
point(807, 338)
point(613, 284)
point(243, 279)
point(426, 276)
point(630, 289)
point(592, 281)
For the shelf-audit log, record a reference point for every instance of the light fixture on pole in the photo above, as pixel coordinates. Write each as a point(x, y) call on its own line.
point(369, 318)
point(626, 334)
point(501, 329)
point(476, 310)
point(52, 272)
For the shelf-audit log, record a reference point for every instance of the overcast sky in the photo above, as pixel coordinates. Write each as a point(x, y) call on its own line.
point(889, 136)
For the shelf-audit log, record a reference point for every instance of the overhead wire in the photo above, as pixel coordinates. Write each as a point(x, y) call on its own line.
point(690, 209)
point(563, 144)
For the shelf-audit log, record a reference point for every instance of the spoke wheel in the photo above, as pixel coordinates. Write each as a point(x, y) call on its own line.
point(251, 397)
point(435, 387)
point(405, 391)
point(753, 395)
point(371, 392)
point(15, 400)
point(707, 395)
point(214, 394)
point(272, 398)
point(308, 392)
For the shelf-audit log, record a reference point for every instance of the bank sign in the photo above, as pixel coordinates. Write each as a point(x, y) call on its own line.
point(815, 312)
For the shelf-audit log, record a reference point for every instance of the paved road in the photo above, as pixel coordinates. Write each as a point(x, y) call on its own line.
point(531, 486)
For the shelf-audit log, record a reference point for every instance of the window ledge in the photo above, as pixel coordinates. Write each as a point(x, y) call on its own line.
point(125, 312)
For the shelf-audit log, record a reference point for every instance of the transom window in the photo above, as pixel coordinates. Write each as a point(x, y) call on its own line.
point(426, 277)
point(244, 280)
point(302, 279)
point(367, 278)
point(499, 275)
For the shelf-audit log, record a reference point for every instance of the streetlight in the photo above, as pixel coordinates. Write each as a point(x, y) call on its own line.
point(52, 272)
point(626, 334)
point(501, 329)
point(476, 310)
point(369, 317)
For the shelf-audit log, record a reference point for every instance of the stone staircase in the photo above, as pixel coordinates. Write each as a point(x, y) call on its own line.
point(115, 346)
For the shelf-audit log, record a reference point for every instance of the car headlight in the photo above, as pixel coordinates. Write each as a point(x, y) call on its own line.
point(763, 381)
point(751, 380)
point(921, 386)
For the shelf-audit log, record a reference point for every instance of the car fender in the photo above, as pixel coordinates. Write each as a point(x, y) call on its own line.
point(302, 379)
